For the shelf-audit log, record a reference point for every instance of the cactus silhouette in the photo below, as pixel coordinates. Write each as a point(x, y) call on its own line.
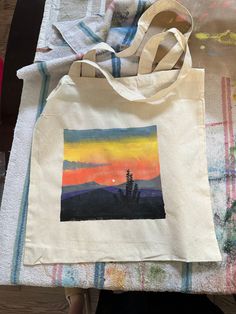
point(131, 194)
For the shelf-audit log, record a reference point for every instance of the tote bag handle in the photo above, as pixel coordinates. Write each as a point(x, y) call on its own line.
point(147, 18)
point(143, 25)
point(150, 49)
point(147, 56)
point(121, 85)
point(171, 58)
point(132, 92)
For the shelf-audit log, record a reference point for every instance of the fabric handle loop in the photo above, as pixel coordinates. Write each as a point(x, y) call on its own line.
point(146, 19)
point(149, 51)
point(147, 55)
point(143, 24)
point(83, 69)
point(119, 85)
point(88, 71)
point(170, 59)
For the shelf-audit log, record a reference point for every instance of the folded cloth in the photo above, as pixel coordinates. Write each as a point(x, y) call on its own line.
point(213, 49)
point(93, 22)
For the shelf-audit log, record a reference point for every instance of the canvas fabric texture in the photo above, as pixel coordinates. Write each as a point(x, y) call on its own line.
point(113, 171)
point(212, 47)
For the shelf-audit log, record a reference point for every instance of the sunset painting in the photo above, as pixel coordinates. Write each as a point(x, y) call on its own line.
point(111, 174)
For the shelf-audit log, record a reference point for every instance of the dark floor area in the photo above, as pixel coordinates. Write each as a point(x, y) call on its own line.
point(154, 303)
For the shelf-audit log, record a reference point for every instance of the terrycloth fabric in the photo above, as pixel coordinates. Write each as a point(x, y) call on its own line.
point(51, 44)
point(213, 47)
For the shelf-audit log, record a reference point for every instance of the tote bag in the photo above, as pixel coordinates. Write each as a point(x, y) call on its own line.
point(118, 166)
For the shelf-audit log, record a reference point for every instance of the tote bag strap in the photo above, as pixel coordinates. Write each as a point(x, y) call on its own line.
point(121, 85)
point(172, 57)
point(147, 18)
point(150, 49)
point(83, 69)
point(146, 59)
point(143, 25)
point(131, 91)
point(88, 71)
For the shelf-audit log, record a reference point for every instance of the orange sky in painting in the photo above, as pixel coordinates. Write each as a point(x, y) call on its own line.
point(138, 153)
point(113, 174)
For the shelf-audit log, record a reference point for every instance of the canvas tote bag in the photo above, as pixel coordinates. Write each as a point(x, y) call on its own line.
point(118, 166)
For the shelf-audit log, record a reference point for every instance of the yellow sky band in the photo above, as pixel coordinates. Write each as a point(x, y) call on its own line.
point(104, 151)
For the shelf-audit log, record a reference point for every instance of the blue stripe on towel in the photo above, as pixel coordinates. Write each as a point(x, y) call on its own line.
point(99, 275)
point(19, 240)
point(44, 89)
point(88, 32)
point(116, 64)
point(20, 233)
point(186, 277)
point(133, 27)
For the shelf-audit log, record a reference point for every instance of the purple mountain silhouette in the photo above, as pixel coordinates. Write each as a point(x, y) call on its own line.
point(148, 188)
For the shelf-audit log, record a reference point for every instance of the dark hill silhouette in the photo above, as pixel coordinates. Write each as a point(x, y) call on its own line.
point(83, 187)
point(102, 204)
point(141, 199)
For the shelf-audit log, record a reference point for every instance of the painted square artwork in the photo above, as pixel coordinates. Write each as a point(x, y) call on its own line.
point(111, 174)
